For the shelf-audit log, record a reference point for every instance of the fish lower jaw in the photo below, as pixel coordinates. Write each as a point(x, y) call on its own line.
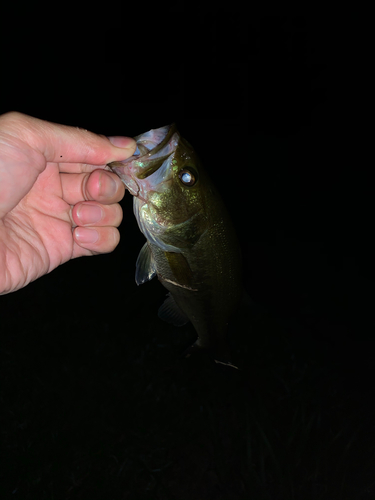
point(139, 197)
point(130, 183)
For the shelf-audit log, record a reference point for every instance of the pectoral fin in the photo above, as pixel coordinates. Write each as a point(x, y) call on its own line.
point(171, 313)
point(145, 267)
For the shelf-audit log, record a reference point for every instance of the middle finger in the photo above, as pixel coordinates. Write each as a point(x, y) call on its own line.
point(100, 185)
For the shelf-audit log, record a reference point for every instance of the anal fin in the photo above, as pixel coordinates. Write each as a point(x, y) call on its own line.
point(171, 313)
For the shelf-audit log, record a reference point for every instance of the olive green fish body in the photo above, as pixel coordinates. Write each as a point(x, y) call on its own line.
point(191, 243)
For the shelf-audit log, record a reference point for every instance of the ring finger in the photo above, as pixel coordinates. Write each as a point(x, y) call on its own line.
point(92, 213)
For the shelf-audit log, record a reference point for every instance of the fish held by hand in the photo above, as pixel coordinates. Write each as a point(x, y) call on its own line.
point(191, 245)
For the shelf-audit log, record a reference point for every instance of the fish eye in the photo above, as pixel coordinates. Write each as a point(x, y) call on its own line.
point(187, 177)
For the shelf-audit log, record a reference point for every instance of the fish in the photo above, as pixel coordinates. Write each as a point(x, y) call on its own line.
point(191, 244)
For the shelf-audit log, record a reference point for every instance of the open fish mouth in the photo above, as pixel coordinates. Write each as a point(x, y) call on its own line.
point(155, 140)
point(155, 149)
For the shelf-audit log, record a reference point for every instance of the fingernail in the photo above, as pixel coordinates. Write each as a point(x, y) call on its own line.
point(85, 235)
point(122, 142)
point(108, 186)
point(89, 213)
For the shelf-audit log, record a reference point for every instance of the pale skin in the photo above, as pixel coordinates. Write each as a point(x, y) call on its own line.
point(56, 200)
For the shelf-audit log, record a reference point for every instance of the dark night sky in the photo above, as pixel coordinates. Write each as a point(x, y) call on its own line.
point(254, 99)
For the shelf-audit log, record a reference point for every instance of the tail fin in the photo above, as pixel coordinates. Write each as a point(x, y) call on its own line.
point(221, 353)
point(226, 363)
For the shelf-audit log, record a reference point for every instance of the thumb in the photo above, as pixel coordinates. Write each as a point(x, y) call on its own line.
point(65, 144)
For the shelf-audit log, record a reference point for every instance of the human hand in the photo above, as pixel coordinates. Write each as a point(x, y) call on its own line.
point(56, 200)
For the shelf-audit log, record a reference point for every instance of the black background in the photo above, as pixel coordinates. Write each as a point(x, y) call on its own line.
point(96, 402)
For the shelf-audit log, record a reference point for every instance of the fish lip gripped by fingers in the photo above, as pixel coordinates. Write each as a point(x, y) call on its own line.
point(153, 148)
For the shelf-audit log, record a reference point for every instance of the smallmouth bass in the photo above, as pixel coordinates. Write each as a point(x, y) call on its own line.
point(191, 244)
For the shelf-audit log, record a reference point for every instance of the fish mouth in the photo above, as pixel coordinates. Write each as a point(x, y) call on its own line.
point(154, 148)
point(155, 157)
